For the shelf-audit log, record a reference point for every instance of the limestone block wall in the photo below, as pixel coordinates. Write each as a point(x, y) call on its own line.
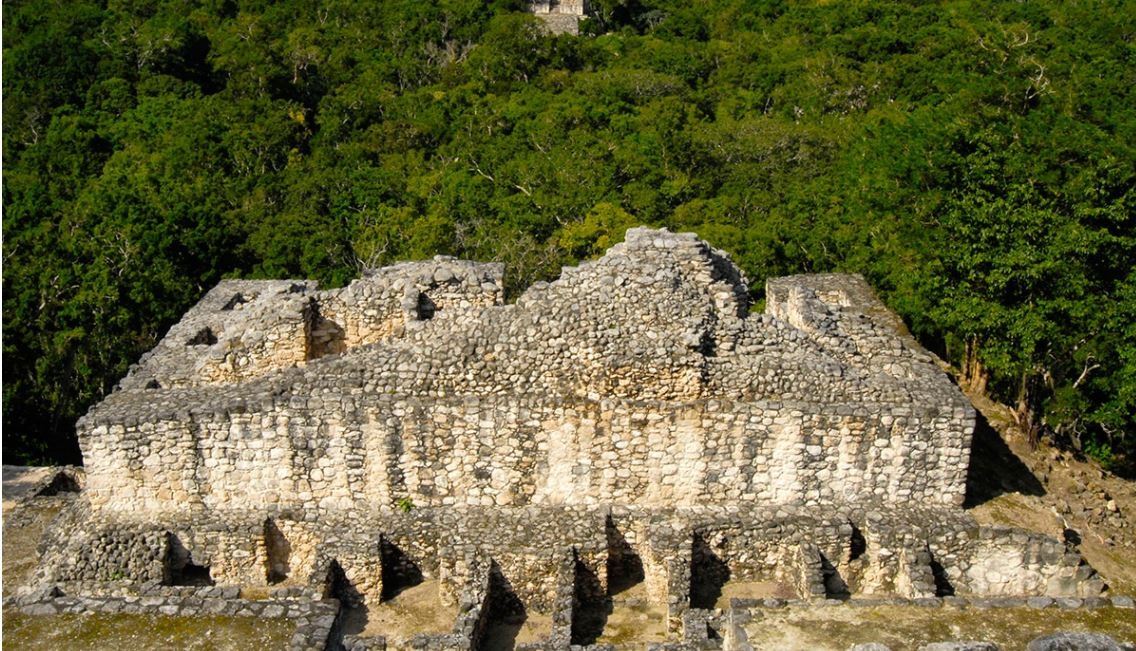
point(369, 453)
point(640, 378)
point(841, 314)
point(279, 339)
point(381, 304)
point(770, 550)
point(573, 7)
point(687, 557)
point(560, 16)
point(1006, 562)
point(524, 572)
point(632, 416)
point(213, 343)
point(244, 329)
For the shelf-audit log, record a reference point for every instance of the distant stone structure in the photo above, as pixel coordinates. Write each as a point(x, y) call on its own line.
point(630, 422)
point(561, 16)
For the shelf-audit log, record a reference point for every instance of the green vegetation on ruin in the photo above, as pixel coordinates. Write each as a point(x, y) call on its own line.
point(145, 632)
point(974, 160)
point(904, 627)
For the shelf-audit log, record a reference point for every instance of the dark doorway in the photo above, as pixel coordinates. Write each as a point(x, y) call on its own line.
point(178, 567)
point(505, 613)
point(592, 606)
point(278, 551)
point(708, 574)
point(399, 570)
point(835, 587)
point(624, 566)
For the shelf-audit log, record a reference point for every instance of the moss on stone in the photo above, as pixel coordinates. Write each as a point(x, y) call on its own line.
point(144, 632)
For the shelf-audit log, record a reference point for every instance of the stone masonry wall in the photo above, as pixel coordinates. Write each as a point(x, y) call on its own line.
point(243, 329)
point(639, 378)
point(686, 556)
point(560, 16)
point(496, 451)
point(630, 422)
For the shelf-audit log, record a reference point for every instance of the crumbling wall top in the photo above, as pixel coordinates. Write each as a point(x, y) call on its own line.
point(661, 316)
point(243, 329)
point(640, 377)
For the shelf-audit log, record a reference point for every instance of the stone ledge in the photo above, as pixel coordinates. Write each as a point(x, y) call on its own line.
point(315, 620)
point(964, 602)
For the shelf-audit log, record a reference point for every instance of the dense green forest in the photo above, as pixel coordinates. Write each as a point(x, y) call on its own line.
point(974, 160)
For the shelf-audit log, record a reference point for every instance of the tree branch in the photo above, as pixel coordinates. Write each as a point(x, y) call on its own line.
point(1089, 368)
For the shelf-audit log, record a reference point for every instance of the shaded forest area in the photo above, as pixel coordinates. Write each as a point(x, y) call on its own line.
point(974, 160)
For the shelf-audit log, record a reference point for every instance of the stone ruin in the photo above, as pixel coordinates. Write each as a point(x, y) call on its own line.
point(560, 16)
point(631, 424)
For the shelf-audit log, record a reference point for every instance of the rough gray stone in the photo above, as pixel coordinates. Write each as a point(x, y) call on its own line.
point(633, 413)
point(959, 646)
point(1074, 642)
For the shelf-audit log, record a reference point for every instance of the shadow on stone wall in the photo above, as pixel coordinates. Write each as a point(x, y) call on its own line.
point(943, 585)
point(400, 571)
point(995, 469)
point(505, 613)
point(592, 606)
point(64, 481)
point(835, 587)
point(353, 615)
point(708, 574)
point(178, 567)
point(278, 552)
point(624, 566)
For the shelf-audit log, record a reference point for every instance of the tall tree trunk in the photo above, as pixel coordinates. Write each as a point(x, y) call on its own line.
point(974, 375)
point(1031, 393)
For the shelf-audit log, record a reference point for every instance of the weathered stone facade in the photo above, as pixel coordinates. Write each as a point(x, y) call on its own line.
point(561, 16)
point(631, 421)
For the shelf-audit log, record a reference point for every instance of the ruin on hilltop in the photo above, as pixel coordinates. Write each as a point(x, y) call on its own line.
point(631, 422)
point(560, 16)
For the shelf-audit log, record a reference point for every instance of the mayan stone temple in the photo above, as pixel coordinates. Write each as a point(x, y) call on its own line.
point(632, 425)
point(560, 16)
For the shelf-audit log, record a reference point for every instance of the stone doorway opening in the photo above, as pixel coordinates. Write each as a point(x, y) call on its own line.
point(325, 337)
point(835, 587)
point(627, 614)
point(592, 604)
point(337, 585)
point(505, 614)
point(278, 552)
point(178, 568)
point(709, 574)
point(399, 571)
point(943, 585)
point(857, 567)
point(624, 565)
point(425, 308)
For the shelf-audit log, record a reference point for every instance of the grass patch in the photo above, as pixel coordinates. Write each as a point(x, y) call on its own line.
point(256, 592)
point(901, 628)
point(96, 631)
point(23, 528)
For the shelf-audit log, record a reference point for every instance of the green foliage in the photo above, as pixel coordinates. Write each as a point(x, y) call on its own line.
point(974, 161)
point(602, 228)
